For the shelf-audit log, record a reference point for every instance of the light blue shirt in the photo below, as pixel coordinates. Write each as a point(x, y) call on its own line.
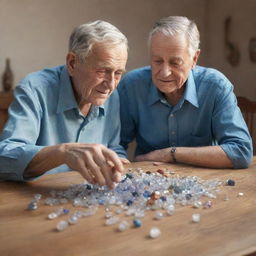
point(207, 114)
point(44, 113)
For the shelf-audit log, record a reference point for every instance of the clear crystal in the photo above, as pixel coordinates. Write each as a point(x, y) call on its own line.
point(61, 225)
point(154, 232)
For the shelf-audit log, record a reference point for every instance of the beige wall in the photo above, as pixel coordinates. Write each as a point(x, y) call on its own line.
point(243, 27)
point(34, 33)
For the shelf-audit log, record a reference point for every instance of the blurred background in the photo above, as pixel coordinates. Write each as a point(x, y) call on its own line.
point(34, 33)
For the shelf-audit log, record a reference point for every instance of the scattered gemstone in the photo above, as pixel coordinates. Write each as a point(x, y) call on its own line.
point(231, 182)
point(159, 215)
point(137, 223)
point(240, 194)
point(196, 217)
point(154, 232)
point(61, 225)
point(123, 225)
point(208, 204)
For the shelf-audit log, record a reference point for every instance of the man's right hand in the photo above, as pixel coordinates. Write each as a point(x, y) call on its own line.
point(93, 162)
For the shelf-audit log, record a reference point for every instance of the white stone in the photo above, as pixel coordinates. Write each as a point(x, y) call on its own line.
point(61, 225)
point(154, 232)
point(196, 217)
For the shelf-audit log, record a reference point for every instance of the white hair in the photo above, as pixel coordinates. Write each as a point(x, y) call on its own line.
point(84, 36)
point(178, 25)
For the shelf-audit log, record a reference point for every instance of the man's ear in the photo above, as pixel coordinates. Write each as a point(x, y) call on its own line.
point(195, 58)
point(71, 62)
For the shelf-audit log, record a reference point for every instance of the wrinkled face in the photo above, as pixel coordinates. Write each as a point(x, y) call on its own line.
point(170, 62)
point(96, 78)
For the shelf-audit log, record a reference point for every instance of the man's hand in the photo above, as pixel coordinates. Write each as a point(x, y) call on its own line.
point(160, 155)
point(96, 163)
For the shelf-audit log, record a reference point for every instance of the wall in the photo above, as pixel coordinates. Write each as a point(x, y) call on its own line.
point(243, 27)
point(34, 33)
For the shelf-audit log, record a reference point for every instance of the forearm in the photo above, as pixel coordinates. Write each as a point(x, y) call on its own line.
point(45, 160)
point(211, 156)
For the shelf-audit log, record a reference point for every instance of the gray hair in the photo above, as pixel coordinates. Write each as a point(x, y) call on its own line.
point(84, 36)
point(173, 25)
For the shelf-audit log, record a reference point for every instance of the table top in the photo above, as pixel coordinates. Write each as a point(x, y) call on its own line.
point(227, 228)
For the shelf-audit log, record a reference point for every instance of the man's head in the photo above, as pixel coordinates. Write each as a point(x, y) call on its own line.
point(96, 60)
point(174, 51)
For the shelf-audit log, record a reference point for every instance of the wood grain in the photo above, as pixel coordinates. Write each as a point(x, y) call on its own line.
point(228, 228)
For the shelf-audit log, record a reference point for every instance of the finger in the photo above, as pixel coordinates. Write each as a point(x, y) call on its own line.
point(106, 168)
point(124, 160)
point(95, 170)
point(113, 157)
point(84, 172)
point(117, 177)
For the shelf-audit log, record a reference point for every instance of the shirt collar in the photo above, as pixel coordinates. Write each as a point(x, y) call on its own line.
point(190, 94)
point(154, 94)
point(67, 98)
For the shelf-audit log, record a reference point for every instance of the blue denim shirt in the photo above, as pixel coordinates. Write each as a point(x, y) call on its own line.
point(44, 113)
point(207, 114)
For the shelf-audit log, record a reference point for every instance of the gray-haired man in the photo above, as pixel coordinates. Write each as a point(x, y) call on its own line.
point(180, 112)
point(66, 117)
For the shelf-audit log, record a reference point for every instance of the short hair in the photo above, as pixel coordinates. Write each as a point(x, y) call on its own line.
point(84, 36)
point(173, 25)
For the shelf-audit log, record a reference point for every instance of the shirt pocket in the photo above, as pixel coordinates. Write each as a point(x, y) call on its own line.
point(195, 141)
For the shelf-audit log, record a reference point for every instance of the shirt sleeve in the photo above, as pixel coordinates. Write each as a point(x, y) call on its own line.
point(230, 128)
point(128, 127)
point(18, 139)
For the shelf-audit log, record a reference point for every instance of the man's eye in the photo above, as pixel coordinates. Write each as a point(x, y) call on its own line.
point(119, 73)
point(101, 71)
point(157, 61)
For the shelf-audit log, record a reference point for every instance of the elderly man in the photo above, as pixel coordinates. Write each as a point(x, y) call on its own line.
point(67, 117)
point(180, 112)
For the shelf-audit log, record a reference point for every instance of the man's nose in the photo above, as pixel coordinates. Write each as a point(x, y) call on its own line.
point(110, 80)
point(165, 70)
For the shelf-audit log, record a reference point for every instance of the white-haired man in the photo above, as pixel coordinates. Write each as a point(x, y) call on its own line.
point(66, 117)
point(180, 112)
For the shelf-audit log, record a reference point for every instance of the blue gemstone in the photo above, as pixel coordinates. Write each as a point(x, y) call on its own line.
point(129, 202)
point(231, 182)
point(146, 194)
point(101, 201)
point(129, 175)
point(137, 223)
point(163, 198)
point(65, 211)
point(135, 193)
point(88, 186)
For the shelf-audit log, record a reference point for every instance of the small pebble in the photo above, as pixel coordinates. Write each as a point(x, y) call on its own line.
point(61, 225)
point(124, 225)
point(196, 217)
point(137, 223)
point(32, 206)
point(159, 215)
point(197, 204)
point(231, 182)
point(73, 219)
point(170, 209)
point(240, 194)
point(52, 216)
point(154, 232)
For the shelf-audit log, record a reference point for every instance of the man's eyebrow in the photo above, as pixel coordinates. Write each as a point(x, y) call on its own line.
point(106, 66)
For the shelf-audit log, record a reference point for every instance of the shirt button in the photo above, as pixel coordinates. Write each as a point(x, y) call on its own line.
point(171, 115)
point(82, 129)
point(173, 132)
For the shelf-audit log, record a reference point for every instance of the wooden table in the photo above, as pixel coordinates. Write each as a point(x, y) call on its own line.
point(228, 228)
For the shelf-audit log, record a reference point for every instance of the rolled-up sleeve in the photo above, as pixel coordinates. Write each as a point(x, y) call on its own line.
point(18, 139)
point(230, 128)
